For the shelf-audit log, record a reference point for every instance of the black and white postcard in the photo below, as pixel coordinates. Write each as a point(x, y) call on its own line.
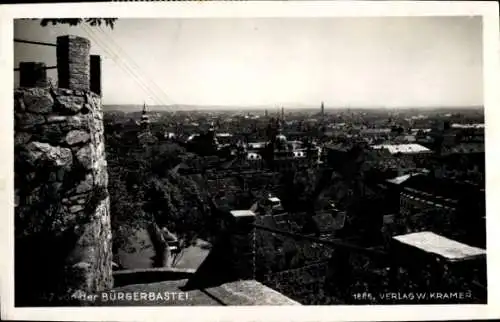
point(254, 160)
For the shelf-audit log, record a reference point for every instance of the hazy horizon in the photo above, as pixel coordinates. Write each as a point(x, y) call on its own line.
point(272, 109)
point(358, 62)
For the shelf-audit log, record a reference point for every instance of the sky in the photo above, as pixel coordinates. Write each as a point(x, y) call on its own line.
point(343, 61)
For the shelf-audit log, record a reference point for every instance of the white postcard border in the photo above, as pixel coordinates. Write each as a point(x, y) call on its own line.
point(198, 9)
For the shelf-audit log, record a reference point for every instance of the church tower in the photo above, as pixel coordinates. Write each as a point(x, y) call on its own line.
point(145, 122)
point(145, 135)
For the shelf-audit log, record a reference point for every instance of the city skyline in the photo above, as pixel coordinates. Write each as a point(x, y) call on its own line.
point(292, 62)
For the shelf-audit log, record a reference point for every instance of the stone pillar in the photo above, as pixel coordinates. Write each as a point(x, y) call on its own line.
point(95, 74)
point(232, 257)
point(32, 74)
point(73, 63)
point(242, 242)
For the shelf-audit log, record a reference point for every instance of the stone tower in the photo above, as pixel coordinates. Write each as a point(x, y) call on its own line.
point(62, 219)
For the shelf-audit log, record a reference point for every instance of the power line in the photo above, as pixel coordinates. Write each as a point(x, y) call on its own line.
point(48, 67)
point(134, 70)
point(133, 63)
point(34, 42)
point(116, 59)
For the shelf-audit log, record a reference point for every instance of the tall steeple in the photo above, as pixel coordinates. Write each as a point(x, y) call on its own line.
point(322, 116)
point(144, 117)
point(145, 135)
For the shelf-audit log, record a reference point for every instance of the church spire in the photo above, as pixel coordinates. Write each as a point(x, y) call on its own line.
point(144, 116)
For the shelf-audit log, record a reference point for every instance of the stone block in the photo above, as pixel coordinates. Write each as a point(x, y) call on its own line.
point(76, 208)
point(28, 120)
point(77, 122)
point(85, 185)
point(81, 201)
point(56, 118)
point(76, 137)
point(69, 104)
point(21, 138)
point(84, 157)
point(38, 100)
point(44, 152)
point(51, 133)
point(19, 105)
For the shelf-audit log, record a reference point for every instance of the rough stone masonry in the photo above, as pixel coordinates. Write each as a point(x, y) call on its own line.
point(62, 220)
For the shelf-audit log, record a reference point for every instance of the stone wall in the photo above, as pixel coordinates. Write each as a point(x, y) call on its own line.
point(62, 223)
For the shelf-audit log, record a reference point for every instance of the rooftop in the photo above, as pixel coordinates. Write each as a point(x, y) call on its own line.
point(274, 199)
point(465, 148)
point(402, 148)
point(242, 213)
point(468, 126)
point(444, 187)
point(448, 249)
point(401, 179)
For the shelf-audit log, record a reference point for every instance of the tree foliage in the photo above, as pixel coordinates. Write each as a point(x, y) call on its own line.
point(108, 22)
point(144, 190)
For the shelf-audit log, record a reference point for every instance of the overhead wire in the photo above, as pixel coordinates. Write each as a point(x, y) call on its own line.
point(133, 63)
point(117, 59)
point(103, 44)
point(121, 64)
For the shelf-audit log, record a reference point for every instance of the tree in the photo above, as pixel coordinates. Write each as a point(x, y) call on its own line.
point(108, 22)
point(175, 202)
